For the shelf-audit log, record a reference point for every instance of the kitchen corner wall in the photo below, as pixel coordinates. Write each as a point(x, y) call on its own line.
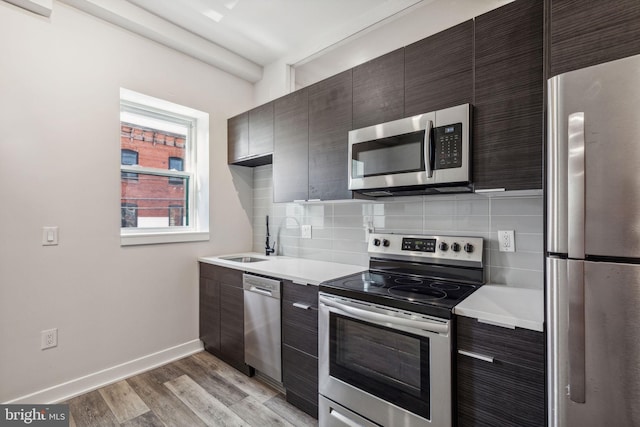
point(339, 228)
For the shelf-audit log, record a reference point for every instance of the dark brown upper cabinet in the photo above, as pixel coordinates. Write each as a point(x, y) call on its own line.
point(330, 104)
point(438, 71)
point(250, 137)
point(238, 137)
point(291, 148)
point(508, 106)
point(378, 90)
point(585, 33)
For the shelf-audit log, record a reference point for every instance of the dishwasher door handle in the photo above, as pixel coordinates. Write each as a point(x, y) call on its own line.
point(260, 291)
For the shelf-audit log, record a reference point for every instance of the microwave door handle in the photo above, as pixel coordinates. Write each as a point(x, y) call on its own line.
point(428, 148)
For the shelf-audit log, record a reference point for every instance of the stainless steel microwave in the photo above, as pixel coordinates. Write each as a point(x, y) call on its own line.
point(424, 154)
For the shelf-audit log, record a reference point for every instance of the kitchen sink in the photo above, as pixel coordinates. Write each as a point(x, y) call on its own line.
point(243, 259)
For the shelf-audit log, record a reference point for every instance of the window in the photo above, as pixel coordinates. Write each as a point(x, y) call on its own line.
point(163, 170)
point(176, 213)
point(176, 164)
point(129, 215)
point(128, 157)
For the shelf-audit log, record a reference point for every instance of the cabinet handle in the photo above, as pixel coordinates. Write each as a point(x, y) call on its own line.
point(299, 283)
point(299, 200)
point(476, 356)
point(489, 190)
point(301, 305)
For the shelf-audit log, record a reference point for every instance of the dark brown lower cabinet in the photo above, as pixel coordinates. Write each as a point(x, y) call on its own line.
point(500, 376)
point(222, 315)
point(300, 345)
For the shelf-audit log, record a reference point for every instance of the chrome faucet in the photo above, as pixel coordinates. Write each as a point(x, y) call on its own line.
point(268, 250)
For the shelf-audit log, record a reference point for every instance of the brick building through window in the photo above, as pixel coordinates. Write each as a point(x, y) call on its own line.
point(149, 200)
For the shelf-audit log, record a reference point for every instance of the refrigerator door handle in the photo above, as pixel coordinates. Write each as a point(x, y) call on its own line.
point(575, 273)
point(575, 187)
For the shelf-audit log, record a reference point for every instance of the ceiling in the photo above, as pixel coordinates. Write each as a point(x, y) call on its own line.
point(264, 31)
point(243, 36)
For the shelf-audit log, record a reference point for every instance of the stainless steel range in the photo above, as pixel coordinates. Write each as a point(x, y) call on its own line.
point(385, 335)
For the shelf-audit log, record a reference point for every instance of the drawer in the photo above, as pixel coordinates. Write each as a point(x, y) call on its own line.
point(300, 336)
point(300, 373)
point(308, 406)
point(228, 276)
point(300, 293)
point(518, 346)
point(499, 394)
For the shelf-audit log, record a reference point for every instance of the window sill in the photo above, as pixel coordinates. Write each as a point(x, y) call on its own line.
point(153, 238)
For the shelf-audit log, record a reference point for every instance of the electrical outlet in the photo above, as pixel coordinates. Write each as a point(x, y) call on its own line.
point(49, 338)
point(305, 231)
point(506, 240)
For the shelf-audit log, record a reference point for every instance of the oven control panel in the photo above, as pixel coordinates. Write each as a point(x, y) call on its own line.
point(418, 244)
point(426, 247)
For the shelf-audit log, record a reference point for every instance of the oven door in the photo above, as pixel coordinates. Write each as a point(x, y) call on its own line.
point(389, 366)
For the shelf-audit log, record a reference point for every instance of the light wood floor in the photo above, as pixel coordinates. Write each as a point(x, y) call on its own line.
point(199, 390)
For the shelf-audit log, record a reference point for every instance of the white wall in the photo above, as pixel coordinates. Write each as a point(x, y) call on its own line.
point(416, 23)
point(59, 166)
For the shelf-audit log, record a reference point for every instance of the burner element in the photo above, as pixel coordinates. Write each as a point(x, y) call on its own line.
point(408, 281)
point(367, 281)
point(445, 286)
point(417, 293)
point(360, 283)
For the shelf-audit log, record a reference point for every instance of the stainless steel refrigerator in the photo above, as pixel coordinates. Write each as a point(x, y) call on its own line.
point(593, 246)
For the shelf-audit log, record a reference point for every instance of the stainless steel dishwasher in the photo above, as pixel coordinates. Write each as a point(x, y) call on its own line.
point(262, 337)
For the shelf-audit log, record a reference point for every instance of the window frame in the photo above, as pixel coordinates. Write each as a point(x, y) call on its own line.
point(195, 175)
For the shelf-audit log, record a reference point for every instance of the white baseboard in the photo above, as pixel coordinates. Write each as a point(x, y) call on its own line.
point(87, 383)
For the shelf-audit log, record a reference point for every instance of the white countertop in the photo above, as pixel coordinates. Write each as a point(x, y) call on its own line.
point(505, 305)
point(296, 269)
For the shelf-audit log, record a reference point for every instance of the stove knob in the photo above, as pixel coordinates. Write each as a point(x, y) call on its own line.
point(385, 243)
point(443, 246)
point(455, 247)
point(376, 242)
point(468, 248)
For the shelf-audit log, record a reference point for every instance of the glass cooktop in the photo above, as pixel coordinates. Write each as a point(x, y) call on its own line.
point(420, 294)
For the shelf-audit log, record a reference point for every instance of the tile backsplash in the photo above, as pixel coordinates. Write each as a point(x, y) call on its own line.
point(339, 229)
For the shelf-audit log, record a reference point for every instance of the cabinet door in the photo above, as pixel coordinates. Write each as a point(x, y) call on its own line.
point(300, 345)
point(500, 375)
point(508, 108)
point(378, 90)
point(300, 378)
point(300, 317)
point(592, 32)
point(291, 148)
point(232, 326)
point(261, 130)
point(210, 314)
point(237, 137)
point(499, 394)
point(439, 70)
point(329, 124)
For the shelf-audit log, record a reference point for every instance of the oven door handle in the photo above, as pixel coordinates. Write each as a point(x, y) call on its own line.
point(361, 314)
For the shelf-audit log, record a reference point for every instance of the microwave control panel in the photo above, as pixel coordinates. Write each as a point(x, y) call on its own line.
point(448, 146)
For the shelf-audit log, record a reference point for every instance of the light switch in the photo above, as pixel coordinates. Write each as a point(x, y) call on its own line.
point(49, 236)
